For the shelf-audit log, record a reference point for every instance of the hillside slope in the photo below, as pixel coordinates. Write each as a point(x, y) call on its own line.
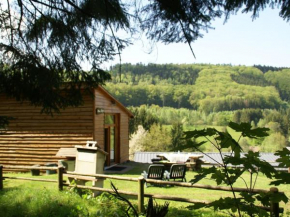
point(209, 88)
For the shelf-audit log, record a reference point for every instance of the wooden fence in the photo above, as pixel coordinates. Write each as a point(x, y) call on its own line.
point(274, 209)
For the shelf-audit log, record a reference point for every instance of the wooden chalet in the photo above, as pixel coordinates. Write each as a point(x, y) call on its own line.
point(35, 138)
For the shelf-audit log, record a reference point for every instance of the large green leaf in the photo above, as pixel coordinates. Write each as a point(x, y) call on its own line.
point(203, 173)
point(284, 157)
point(220, 177)
point(200, 133)
point(267, 198)
point(234, 174)
point(225, 203)
point(189, 144)
point(226, 141)
point(245, 129)
point(281, 178)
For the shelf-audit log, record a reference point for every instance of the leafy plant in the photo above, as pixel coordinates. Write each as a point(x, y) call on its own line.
point(153, 209)
point(232, 166)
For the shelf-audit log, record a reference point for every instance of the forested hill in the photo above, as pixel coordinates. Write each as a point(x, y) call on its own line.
point(210, 88)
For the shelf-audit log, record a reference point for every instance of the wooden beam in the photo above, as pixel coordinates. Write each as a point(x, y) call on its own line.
point(31, 179)
point(106, 176)
point(29, 168)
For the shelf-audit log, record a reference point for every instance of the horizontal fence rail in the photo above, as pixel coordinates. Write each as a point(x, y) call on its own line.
point(59, 181)
point(30, 179)
point(105, 176)
point(274, 209)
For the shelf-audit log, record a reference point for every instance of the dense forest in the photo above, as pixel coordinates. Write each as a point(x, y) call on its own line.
point(207, 88)
point(171, 98)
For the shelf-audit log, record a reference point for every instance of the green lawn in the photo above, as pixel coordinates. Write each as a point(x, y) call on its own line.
point(176, 208)
point(194, 193)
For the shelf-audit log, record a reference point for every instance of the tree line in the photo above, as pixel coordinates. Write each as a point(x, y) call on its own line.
point(163, 127)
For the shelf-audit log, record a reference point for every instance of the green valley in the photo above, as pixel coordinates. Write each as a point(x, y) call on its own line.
point(201, 95)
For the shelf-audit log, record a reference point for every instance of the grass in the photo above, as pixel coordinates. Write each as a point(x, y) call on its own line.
point(41, 199)
point(194, 193)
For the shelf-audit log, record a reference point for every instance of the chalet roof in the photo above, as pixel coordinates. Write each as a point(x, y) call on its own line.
point(114, 100)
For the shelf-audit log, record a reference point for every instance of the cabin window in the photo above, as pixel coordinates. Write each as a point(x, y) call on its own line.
point(110, 119)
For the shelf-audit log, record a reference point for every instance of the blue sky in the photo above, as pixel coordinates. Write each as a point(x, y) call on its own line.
point(240, 41)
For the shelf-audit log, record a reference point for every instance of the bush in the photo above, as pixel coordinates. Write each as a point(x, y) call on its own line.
point(274, 142)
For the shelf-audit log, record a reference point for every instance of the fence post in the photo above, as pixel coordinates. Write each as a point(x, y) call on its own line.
point(274, 206)
point(60, 178)
point(1, 177)
point(141, 194)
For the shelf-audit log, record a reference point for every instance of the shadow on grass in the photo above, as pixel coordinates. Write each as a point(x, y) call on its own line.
point(184, 212)
point(136, 168)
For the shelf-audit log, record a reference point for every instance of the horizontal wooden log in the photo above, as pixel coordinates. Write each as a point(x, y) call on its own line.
point(87, 178)
point(56, 117)
point(51, 121)
point(27, 157)
point(57, 131)
point(29, 161)
point(39, 142)
point(41, 138)
point(40, 149)
point(32, 152)
point(27, 164)
point(30, 168)
point(105, 176)
point(50, 124)
point(65, 127)
point(208, 187)
point(31, 179)
point(40, 134)
point(40, 145)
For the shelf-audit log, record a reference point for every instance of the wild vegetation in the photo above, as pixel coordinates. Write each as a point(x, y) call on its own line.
point(234, 165)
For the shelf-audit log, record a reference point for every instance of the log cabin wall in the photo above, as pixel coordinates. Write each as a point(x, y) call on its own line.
point(34, 138)
point(111, 106)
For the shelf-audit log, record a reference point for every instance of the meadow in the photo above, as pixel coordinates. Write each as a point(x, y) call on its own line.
point(27, 198)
